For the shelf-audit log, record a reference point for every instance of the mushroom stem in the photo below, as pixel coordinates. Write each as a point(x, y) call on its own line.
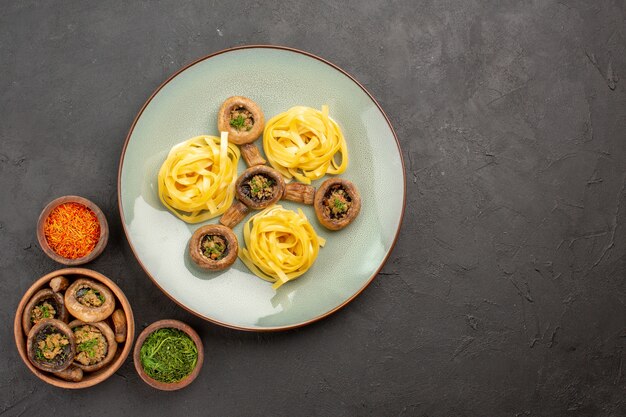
point(300, 193)
point(119, 325)
point(234, 214)
point(73, 374)
point(59, 283)
point(251, 154)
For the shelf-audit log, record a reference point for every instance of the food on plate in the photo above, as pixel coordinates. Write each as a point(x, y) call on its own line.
point(197, 180)
point(119, 325)
point(50, 345)
point(234, 214)
point(252, 155)
point(280, 244)
point(242, 118)
point(305, 143)
point(89, 301)
point(71, 373)
point(299, 193)
point(213, 247)
point(45, 304)
point(59, 283)
point(95, 345)
point(168, 355)
point(72, 230)
point(337, 203)
point(257, 187)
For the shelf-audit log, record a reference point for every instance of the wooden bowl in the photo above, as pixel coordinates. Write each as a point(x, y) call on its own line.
point(91, 378)
point(171, 324)
point(43, 242)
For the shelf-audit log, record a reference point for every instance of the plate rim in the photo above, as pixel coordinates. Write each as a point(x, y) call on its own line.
point(210, 319)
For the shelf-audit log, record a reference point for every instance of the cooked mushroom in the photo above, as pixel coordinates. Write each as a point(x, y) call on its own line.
point(50, 345)
point(45, 304)
point(95, 345)
point(89, 300)
point(72, 373)
point(119, 325)
point(59, 283)
point(213, 247)
point(242, 118)
point(300, 193)
point(259, 187)
point(337, 203)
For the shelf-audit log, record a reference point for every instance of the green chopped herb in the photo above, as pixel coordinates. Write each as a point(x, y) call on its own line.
point(261, 186)
point(88, 347)
point(214, 247)
point(45, 311)
point(238, 122)
point(39, 355)
point(168, 355)
point(338, 204)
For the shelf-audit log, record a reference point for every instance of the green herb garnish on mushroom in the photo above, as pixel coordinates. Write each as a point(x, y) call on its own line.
point(214, 247)
point(241, 119)
point(338, 202)
point(88, 347)
point(261, 187)
point(238, 122)
point(44, 310)
point(95, 345)
point(52, 346)
point(90, 297)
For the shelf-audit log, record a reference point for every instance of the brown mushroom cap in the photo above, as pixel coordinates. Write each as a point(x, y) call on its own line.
point(243, 190)
point(111, 344)
point(195, 247)
point(86, 313)
point(237, 136)
point(321, 196)
point(38, 333)
point(40, 296)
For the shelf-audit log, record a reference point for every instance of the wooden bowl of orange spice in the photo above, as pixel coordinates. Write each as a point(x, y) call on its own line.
point(72, 230)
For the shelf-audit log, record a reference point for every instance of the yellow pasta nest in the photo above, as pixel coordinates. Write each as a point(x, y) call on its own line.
point(281, 245)
point(197, 180)
point(303, 143)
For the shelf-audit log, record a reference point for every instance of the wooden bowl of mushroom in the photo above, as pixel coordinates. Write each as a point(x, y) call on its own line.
point(74, 328)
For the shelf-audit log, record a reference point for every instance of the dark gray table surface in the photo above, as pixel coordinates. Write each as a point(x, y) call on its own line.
point(506, 292)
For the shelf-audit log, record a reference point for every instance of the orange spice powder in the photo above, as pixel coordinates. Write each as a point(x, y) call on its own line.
point(72, 230)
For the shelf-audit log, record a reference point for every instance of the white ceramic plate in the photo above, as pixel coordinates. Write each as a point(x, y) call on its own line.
point(276, 78)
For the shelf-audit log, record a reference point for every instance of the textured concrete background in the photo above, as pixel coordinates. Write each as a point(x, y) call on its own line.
point(506, 292)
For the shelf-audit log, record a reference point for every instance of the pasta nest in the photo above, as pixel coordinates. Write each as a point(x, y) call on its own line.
point(303, 143)
point(280, 244)
point(197, 180)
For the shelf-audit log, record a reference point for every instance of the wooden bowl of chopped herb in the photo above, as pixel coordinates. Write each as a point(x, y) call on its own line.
point(168, 355)
point(72, 230)
point(37, 308)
